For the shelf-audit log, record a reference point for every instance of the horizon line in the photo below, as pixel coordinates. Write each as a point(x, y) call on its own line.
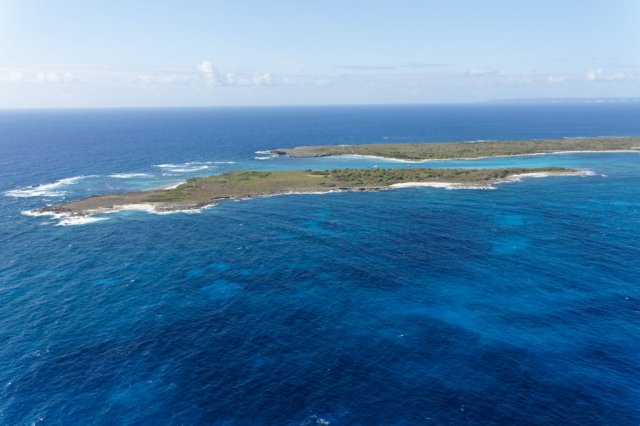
point(556, 100)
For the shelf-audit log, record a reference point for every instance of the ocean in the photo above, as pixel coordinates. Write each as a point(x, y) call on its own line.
point(519, 305)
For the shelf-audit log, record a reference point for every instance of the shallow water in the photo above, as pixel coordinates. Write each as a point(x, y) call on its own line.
point(411, 306)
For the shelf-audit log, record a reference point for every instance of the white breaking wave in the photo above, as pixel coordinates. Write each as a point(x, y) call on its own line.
point(79, 220)
point(129, 175)
point(267, 152)
point(263, 158)
point(189, 169)
point(44, 190)
point(191, 166)
point(149, 208)
point(446, 185)
point(168, 165)
point(512, 178)
point(519, 177)
point(66, 219)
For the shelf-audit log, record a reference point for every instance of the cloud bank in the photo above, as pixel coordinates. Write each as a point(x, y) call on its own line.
point(47, 77)
point(206, 84)
point(600, 74)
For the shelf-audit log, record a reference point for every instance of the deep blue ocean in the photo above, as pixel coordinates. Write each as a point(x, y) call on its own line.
point(420, 306)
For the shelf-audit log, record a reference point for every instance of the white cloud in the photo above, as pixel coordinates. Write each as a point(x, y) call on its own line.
point(533, 79)
point(476, 72)
point(599, 74)
point(213, 77)
point(265, 79)
point(203, 73)
point(555, 79)
point(163, 79)
point(48, 77)
point(211, 74)
point(520, 79)
point(12, 77)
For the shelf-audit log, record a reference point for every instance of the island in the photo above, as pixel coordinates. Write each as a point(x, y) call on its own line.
point(466, 150)
point(199, 192)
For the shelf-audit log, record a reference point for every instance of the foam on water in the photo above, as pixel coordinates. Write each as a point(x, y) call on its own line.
point(45, 190)
point(520, 176)
point(149, 208)
point(130, 175)
point(189, 169)
point(445, 185)
point(66, 219)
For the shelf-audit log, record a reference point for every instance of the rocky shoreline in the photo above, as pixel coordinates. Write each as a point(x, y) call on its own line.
point(199, 193)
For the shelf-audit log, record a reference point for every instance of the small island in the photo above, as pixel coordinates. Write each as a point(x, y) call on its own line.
point(466, 150)
point(199, 192)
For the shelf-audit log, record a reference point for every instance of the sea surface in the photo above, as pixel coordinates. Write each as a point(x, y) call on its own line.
point(519, 305)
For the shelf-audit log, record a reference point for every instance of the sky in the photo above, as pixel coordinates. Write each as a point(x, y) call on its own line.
point(143, 53)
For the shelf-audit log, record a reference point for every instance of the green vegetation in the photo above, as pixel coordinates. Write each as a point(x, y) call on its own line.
point(198, 192)
point(450, 150)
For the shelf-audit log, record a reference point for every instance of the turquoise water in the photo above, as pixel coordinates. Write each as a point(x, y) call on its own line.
point(415, 306)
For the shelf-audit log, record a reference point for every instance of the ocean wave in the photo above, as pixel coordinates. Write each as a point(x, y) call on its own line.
point(129, 175)
point(189, 169)
point(191, 166)
point(79, 220)
point(66, 219)
point(265, 152)
point(168, 165)
point(45, 190)
point(508, 179)
point(520, 176)
point(69, 219)
point(263, 158)
point(445, 185)
point(149, 208)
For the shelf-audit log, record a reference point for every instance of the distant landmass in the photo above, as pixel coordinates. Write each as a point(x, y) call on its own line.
point(461, 150)
point(565, 100)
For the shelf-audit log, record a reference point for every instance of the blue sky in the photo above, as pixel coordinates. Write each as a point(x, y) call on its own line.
point(208, 53)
